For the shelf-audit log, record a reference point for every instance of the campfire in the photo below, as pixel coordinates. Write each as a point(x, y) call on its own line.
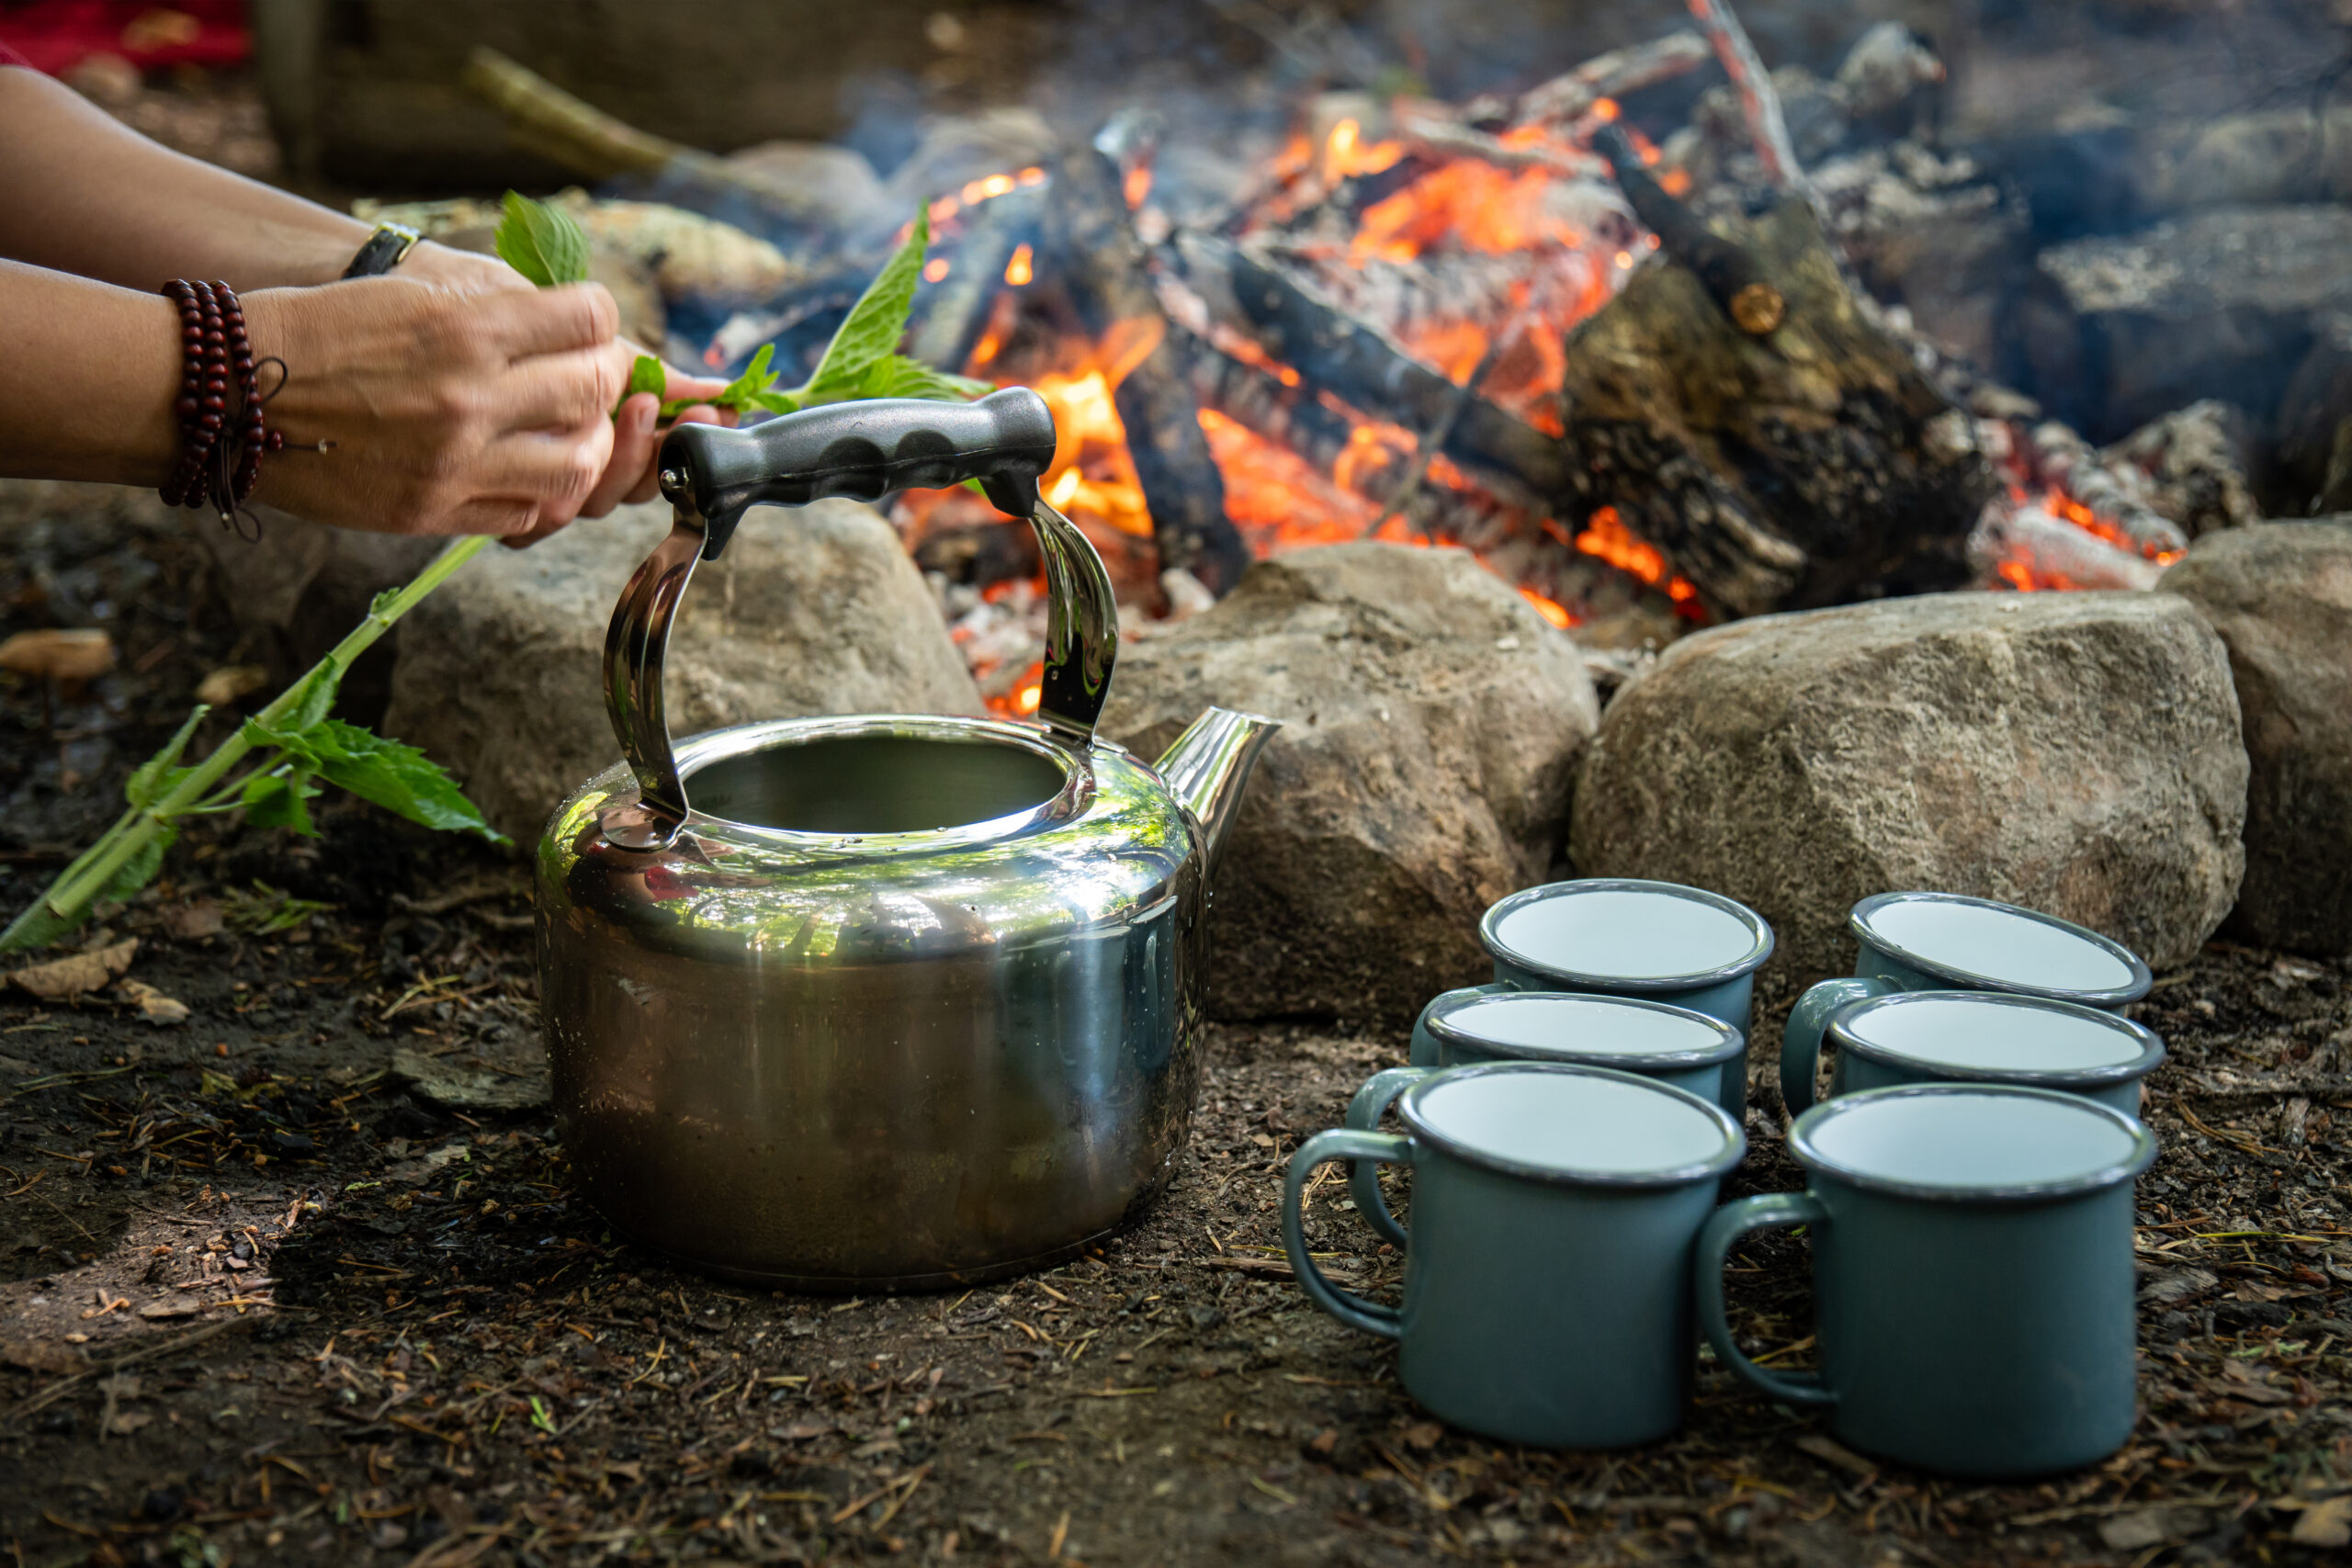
point(1606, 333)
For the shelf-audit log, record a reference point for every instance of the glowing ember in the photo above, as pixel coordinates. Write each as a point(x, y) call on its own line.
point(1606, 536)
point(1021, 269)
point(935, 269)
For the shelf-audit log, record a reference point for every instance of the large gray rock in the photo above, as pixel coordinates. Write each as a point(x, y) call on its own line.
point(2280, 594)
point(815, 612)
point(2072, 752)
point(2219, 304)
point(1432, 725)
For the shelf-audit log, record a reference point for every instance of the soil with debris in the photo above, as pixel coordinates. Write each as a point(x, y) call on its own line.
point(304, 1276)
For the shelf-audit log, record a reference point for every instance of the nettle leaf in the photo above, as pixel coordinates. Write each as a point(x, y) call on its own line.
point(874, 323)
point(899, 377)
point(541, 243)
point(316, 696)
point(140, 869)
point(398, 778)
point(646, 376)
point(154, 778)
point(274, 800)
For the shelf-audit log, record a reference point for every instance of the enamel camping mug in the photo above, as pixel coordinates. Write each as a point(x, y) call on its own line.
point(1671, 1045)
point(1973, 1282)
point(1978, 1037)
point(1946, 941)
point(1653, 941)
point(1547, 1272)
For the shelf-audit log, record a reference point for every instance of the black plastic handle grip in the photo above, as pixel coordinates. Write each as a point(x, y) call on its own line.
point(862, 450)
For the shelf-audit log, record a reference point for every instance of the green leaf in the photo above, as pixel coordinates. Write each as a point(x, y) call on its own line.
point(140, 869)
point(316, 696)
point(541, 243)
point(646, 376)
point(154, 777)
point(874, 323)
point(274, 800)
point(398, 778)
point(899, 377)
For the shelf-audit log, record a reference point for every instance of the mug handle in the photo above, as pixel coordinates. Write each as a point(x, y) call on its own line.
point(1808, 1022)
point(1725, 1227)
point(1364, 1112)
point(1339, 1142)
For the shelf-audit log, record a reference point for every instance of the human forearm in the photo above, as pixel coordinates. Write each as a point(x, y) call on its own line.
point(88, 379)
point(80, 192)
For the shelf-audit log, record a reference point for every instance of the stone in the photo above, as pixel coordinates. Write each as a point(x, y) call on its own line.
point(2280, 596)
point(1433, 721)
point(2077, 753)
point(2224, 303)
point(500, 673)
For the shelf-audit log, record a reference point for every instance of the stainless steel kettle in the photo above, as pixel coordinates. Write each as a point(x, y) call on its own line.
point(891, 1001)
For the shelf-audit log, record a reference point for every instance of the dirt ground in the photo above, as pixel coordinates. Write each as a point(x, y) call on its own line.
point(277, 1284)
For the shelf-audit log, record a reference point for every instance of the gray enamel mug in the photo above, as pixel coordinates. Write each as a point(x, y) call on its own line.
point(1983, 1037)
point(1547, 1272)
point(1972, 1280)
point(1946, 942)
point(1671, 1045)
point(1657, 942)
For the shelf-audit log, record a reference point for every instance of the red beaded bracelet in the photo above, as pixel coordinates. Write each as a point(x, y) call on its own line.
point(216, 353)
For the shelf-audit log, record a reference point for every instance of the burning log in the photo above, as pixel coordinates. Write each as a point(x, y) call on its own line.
point(1093, 239)
point(2025, 545)
point(950, 316)
point(1759, 100)
point(1365, 367)
point(1734, 277)
point(1794, 469)
point(1612, 76)
point(2059, 457)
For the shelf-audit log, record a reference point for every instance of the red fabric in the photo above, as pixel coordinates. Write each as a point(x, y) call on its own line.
point(57, 35)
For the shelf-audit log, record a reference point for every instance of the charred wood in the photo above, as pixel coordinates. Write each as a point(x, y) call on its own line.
point(2054, 550)
point(1734, 277)
point(1799, 470)
point(950, 315)
point(1092, 240)
point(1368, 369)
point(2057, 457)
point(1620, 71)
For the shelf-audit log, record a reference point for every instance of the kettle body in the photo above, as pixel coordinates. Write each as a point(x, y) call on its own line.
point(884, 1001)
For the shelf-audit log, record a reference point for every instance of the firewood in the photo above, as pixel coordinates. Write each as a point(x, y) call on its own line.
point(2057, 553)
point(2058, 457)
point(1794, 469)
point(1759, 100)
point(1092, 240)
point(1734, 277)
point(1620, 71)
point(1367, 368)
point(950, 316)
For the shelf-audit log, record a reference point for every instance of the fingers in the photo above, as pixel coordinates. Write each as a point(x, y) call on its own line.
point(558, 391)
point(631, 464)
point(556, 469)
point(648, 483)
point(545, 320)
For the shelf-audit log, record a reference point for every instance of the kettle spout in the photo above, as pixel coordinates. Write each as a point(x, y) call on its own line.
point(1209, 767)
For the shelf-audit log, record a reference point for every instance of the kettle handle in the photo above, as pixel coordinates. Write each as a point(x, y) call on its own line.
point(713, 474)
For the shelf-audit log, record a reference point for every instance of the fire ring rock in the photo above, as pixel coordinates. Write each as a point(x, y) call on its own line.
point(1432, 725)
point(2072, 752)
point(811, 611)
point(2280, 594)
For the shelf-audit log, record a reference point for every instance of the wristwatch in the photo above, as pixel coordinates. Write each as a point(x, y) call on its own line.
point(383, 250)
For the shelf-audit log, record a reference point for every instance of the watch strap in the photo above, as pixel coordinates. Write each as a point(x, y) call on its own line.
point(383, 250)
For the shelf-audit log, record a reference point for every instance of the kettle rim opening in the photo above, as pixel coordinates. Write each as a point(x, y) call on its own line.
point(1062, 787)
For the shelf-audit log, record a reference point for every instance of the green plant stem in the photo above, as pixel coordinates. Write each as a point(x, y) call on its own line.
point(79, 884)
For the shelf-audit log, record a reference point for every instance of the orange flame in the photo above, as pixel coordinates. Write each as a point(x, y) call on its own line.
point(1551, 610)
point(1021, 267)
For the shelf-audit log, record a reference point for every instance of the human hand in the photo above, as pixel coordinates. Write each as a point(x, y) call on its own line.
point(453, 410)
